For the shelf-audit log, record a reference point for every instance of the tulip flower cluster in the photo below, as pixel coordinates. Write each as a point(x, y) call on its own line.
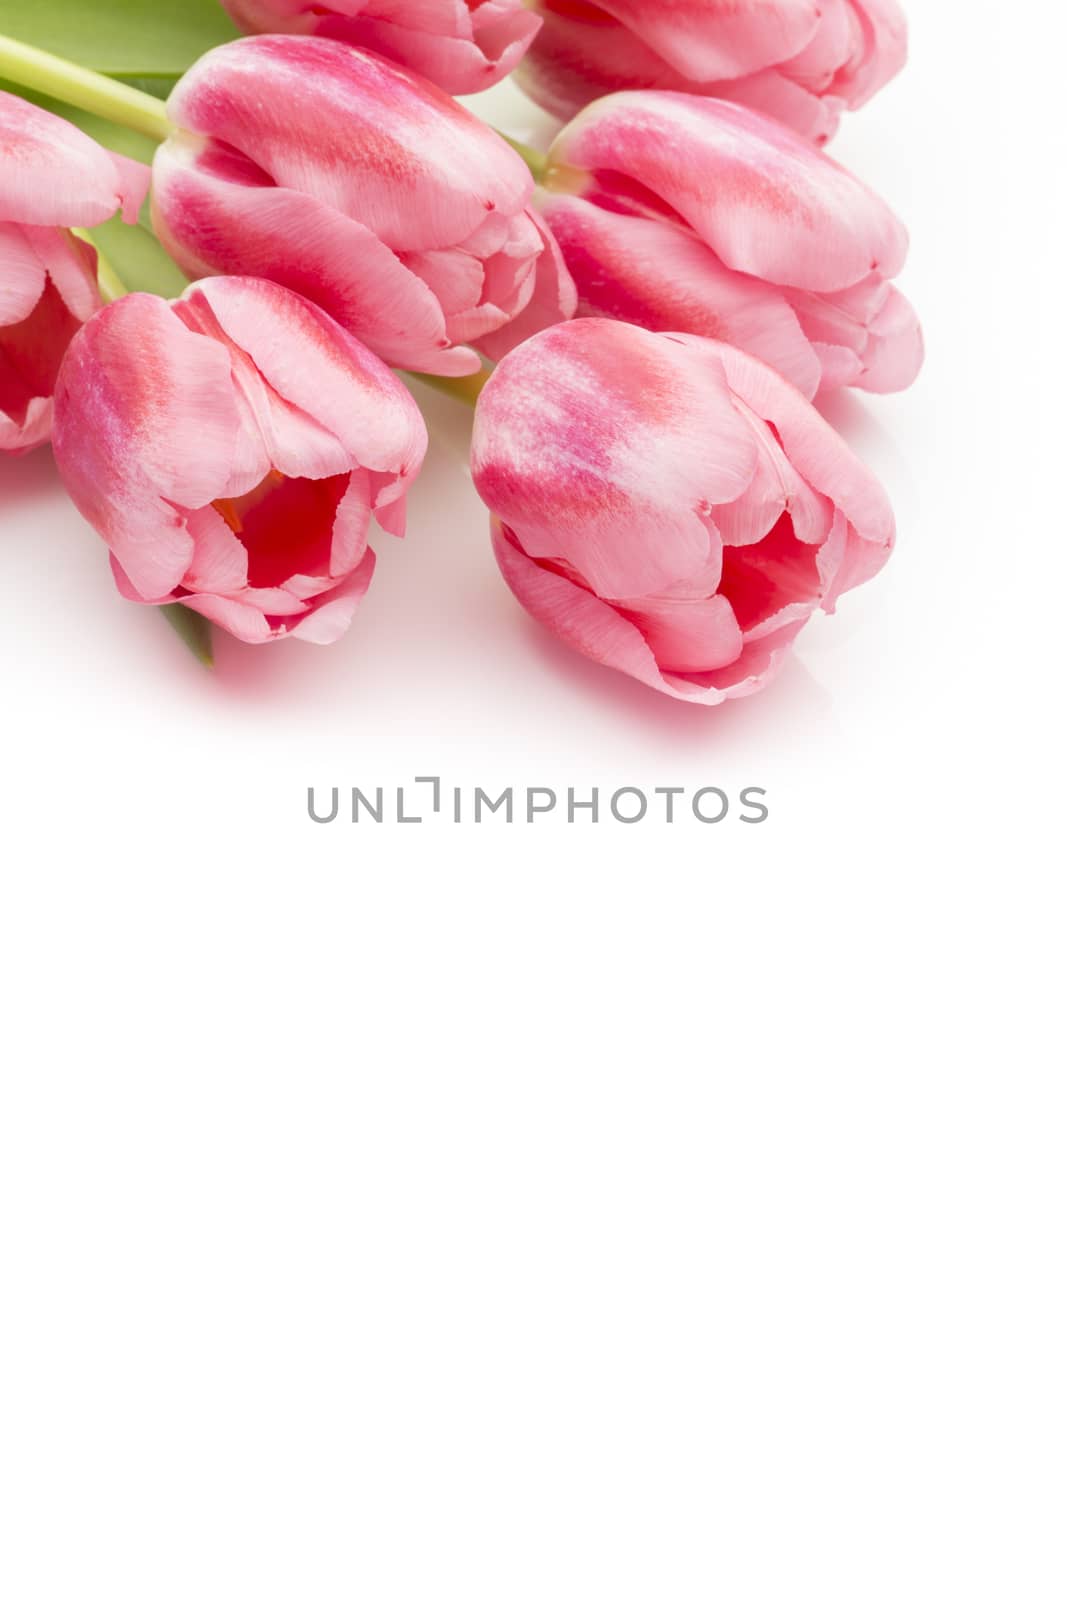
point(664, 293)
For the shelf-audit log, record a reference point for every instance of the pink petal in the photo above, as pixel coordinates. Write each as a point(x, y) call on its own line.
point(134, 439)
point(324, 622)
point(348, 129)
point(774, 94)
point(598, 445)
point(246, 622)
point(885, 32)
point(578, 57)
point(712, 39)
point(53, 175)
point(212, 223)
point(329, 621)
point(31, 355)
point(220, 560)
point(688, 636)
point(327, 401)
point(392, 517)
point(776, 490)
point(815, 449)
point(661, 276)
point(554, 298)
point(758, 194)
point(456, 278)
point(597, 630)
point(463, 49)
point(35, 428)
point(134, 182)
point(22, 274)
point(72, 266)
point(894, 354)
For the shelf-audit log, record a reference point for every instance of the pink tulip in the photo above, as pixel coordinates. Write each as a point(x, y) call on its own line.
point(462, 45)
point(366, 189)
point(670, 506)
point(52, 178)
point(801, 61)
point(677, 212)
point(231, 448)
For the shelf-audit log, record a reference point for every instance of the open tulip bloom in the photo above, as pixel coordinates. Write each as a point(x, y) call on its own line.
point(52, 178)
point(800, 61)
point(231, 448)
point(461, 45)
point(670, 506)
point(680, 213)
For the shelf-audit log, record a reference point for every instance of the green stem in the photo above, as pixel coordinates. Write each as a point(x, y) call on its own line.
point(537, 163)
point(466, 389)
point(78, 86)
point(193, 630)
point(111, 285)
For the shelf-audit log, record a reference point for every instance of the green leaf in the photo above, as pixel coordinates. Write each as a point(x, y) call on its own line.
point(132, 39)
point(193, 630)
point(158, 83)
point(139, 258)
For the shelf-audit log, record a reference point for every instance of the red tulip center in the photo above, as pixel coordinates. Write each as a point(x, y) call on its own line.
point(32, 351)
point(286, 525)
point(760, 579)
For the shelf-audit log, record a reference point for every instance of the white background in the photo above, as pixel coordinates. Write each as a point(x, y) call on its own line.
point(565, 1213)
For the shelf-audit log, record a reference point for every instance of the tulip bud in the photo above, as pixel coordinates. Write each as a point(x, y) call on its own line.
point(366, 189)
point(669, 506)
point(231, 448)
point(461, 45)
point(800, 61)
point(680, 213)
point(53, 178)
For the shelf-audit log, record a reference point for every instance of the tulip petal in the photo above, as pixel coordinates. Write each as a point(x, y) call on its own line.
point(776, 490)
point(756, 193)
point(773, 93)
point(463, 49)
point(688, 636)
point(597, 630)
point(326, 400)
point(894, 354)
point(661, 276)
point(31, 356)
point(220, 560)
point(815, 449)
point(719, 38)
point(35, 427)
point(245, 622)
point(593, 435)
point(22, 274)
point(135, 439)
point(53, 175)
point(330, 620)
point(885, 31)
point(213, 225)
point(359, 135)
point(554, 298)
point(72, 266)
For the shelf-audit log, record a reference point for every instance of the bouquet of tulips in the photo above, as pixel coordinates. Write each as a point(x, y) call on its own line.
point(643, 316)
